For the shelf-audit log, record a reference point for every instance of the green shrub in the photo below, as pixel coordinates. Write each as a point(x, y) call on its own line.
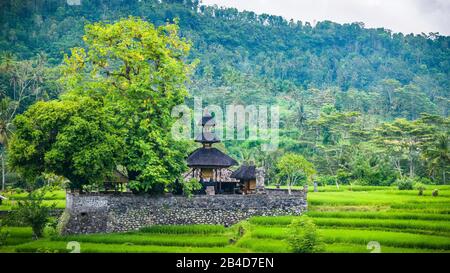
point(435, 192)
point(404, 184)
point(3, 236)
point(240, 229)
point(302, 235)
point(326, 180)
point(33, 212)
point(420, 187)
point(424, 180)
point(343, 176)
point(191, 186)
point(360, 182)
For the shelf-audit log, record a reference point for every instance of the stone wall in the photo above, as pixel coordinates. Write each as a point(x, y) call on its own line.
point(93, 213)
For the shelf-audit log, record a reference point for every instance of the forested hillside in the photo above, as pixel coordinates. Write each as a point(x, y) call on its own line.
point(336, 83)
point(235, 46)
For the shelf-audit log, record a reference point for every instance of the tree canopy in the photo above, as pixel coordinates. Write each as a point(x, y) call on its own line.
point(71, 138)
point(116, 109)
point(365, 106)
point(292, 167)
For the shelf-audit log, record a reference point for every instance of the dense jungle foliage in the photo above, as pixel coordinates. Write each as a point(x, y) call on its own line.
point(365, 106)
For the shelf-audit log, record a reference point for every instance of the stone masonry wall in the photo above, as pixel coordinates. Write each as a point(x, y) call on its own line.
point(93, 213)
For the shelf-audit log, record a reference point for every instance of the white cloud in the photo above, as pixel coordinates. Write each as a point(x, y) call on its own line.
point(405, 16)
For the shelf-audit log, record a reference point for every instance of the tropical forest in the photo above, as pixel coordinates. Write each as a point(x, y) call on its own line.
point(87, 89)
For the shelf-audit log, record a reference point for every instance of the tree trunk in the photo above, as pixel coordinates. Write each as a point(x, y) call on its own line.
point(411, 167)
point(443, 174)
point(398, 167)
point(289, 186)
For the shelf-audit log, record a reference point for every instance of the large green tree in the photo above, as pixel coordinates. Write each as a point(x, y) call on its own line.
point(292, 167)
point(438, 155)
point(72, 138)
point(139, 71)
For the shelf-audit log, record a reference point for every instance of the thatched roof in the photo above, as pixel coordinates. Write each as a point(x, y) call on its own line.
point(118, 176)
point(210, 157)
point(245, 172)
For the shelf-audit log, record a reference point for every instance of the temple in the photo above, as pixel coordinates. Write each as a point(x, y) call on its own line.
point(246, 175)
point(211, 166)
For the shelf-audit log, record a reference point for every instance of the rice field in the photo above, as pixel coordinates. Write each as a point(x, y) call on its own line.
point(347, 219)
point(56, 197)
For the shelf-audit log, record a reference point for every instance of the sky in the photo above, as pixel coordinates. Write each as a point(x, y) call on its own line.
point(407, 16)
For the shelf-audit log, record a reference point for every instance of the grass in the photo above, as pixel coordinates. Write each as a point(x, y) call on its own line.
point(386, 238)
point(278, 220)
point(347, 218)
point(263, 245)
point(61, 247)
point(379, 215)
point(341, 188)
point(401, 221)
point(150, 239)
point(185, 229)
point(376, 198)
point(355, 248)
point(385, 223)
point(56, 197)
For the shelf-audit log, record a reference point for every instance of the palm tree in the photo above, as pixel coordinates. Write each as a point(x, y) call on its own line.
point(437, 154)
point(246, 155)
point(6, 107)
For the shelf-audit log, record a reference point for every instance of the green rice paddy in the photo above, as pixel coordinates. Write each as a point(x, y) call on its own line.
point(347, 219)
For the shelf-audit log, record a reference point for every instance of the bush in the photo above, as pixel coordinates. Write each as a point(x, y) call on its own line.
point(240, 229)
point(360, 182)
point(302, 235)
point(155, 188)
point(33, 212)
point(424, 180)
point(3, 236)
point(435, 192)
point(14, 180)
point(420, 187)
point(189, 187)
point(404, 184)
point(343, 176)
point(326, 180)
point(176, 187)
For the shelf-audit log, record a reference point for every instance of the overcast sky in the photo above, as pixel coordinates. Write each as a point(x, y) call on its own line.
point(405, 16)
